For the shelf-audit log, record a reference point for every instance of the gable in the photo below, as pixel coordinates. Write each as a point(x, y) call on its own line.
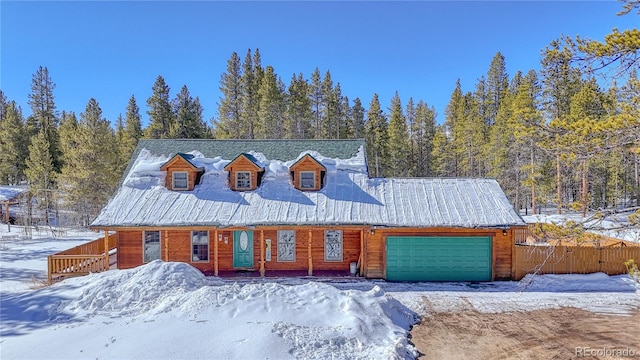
point(308, 162)
point(179, 160)
point(244, 161)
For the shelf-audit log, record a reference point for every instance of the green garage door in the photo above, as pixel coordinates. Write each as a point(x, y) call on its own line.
point(438, 258)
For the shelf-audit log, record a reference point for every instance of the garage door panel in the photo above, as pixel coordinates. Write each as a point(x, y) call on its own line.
point(436, 258)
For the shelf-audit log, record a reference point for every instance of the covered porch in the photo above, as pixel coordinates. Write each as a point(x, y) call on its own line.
point(10, 195)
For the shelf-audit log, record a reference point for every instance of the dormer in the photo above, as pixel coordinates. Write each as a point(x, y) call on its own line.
point(307, 174)
point(182, 174)
point(245, 173)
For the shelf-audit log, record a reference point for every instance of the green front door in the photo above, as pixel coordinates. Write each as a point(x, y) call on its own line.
point(438, 258)
point(242, 249)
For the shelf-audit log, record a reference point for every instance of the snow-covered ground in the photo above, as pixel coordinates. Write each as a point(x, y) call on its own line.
point(171, 311)
point(616, 225)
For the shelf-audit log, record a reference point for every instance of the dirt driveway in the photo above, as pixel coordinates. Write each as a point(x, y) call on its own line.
point(566, 333)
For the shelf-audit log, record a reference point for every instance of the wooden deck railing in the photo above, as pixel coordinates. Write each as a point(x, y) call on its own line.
point(571, 260)
point(80, 260)
point(522, 233)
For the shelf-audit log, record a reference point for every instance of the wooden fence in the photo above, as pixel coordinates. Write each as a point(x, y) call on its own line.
point(80, 260)
point(571, 260)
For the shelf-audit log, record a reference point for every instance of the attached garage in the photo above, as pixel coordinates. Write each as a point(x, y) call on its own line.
point(438, 258)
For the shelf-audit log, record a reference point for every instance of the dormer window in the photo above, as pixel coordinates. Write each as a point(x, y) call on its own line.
point(307, 180)
point(243, 180)
point(180, 180)
point(182, 174)
point(245, 173)
point(307, 174)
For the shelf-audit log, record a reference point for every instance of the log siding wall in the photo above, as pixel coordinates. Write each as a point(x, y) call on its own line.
point(176, 246)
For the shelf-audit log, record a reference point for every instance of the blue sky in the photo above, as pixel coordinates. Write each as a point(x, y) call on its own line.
point(111, 50)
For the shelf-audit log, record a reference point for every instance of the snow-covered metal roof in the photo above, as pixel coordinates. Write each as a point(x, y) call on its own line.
point(349, 197)
point(9, 193)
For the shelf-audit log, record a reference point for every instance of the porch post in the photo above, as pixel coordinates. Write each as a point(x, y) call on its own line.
point(361, 257)
point(215, 253)
point(310, 257)
point(106, 249)
point(262, 253)
point(166, 245)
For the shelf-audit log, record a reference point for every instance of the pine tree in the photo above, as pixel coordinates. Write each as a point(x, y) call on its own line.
point(621, 49)
point(560, 82)
point(497, 85)
point(586, 133)
point(399, 145)
point(3, 105)
point(250, 102)
point(516, 82)
point(502, 154)
point(345, 129)
point(443, 162)
point(254, 92)
point(197, 110)
point(422, 136)
point(480, 115)
point(629, 115)
point(445, 154)
point(528, 122)
point(271, 114)
point(330, 104)
point(357, 119)
point(188, 115)
point(121, 159)
point(377, 138)
point(132, 131)
point(468, 137)
point(410, 116)
point(68, 129)
point(299, 110)
point(40, 171)
point(86, 184)
point(43, 109)
point(316, 96)
point(13, 143)
point(161, 117)
point(230, 107)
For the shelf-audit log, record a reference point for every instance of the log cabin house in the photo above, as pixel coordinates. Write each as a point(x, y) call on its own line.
point(304, 207)
point(10, 195)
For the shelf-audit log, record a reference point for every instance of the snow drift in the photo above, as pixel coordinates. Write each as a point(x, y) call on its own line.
point(255, 320)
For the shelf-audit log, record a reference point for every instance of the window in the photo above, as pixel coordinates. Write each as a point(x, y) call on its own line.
point(200, 246)
point(307, 180)
point(243, 180)
point(286, 245)
point(180, 180)
point(151, 242)
point(333, 245)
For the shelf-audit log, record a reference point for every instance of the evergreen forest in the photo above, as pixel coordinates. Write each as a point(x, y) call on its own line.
point(566, 136)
